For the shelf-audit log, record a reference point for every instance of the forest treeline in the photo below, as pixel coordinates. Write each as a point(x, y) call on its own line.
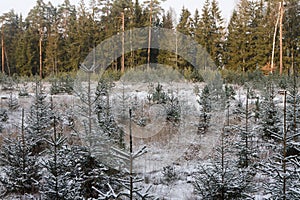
point(52, 40)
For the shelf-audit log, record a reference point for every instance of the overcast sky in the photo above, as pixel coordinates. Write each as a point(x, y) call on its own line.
point(23, 6)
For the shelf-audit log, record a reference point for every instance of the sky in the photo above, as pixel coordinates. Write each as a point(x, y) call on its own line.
point(23, 6)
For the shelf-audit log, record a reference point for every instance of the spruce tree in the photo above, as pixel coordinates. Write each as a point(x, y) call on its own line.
point(94, 137)
point(68, 44)
point(245, 142)
point(38, 121)
point(87, 172)
point(20, 165)
point(104, 114)
point(269, 118)
point(57, 182)
point(220, 178)
point(243, 24)
point(185, 22)
point(291, 28)
point(281, 167)
point(205, 109)
point(184, 27)
point(217, 34)
point(54, 50)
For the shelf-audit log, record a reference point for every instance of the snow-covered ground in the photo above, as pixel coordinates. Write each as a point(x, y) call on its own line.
point(179, 147)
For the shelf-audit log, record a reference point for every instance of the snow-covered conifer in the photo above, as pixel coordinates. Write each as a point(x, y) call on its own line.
point(220, 177)
point(105, 118)
point(19, 164)
point(245, 147)
point(12, 102)
point(38, 121)
point(281, 167)
point(269, 121)
point(205, 109)
point(57, 182)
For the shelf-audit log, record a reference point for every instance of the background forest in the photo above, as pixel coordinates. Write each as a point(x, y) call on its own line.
point(57, 39)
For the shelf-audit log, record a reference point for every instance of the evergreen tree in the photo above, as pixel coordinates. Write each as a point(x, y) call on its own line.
point(220, 178)
point(243, 24)
point(185, 22)
point(94, 137)
point(209, 31)
point(21, 53)
point(168, 19)
point(205, 109)
point(293, 108)
point(38, 121)
point(88, 173)
point(281, 166)
point(152, 10)
point(217, 34)
point(184, 27)
point(245, 143)
point(52, 53)
point(19, 164)
point(168, 39)
point(263, 31)
point(269, 118)
point(229, 94)
point(37, 28)
point(57, 183)
point(105, 118)
point(68, 44)
point(10, 30)
point(291, 29)
point(202, 28)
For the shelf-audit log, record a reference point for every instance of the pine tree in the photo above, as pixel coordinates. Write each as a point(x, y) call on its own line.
point(37, 29)
point(10, 30)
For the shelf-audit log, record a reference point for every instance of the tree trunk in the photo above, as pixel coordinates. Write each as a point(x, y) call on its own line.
point(41, 56)
point(149, 37)
point(274, 41)
point(131, 158)
point(280, 27)
point(2, 47)
point(284, 147)
point(123, 43)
